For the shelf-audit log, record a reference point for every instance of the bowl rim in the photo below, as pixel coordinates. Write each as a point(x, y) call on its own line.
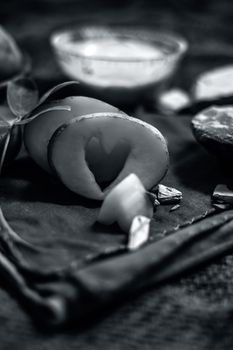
point(180, 44)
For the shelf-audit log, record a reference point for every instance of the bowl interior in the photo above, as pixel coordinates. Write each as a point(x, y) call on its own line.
point(75, 41)
point(115, 62)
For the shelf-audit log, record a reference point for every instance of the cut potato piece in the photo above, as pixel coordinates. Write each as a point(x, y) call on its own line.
point(38, 132)
point(139, 232)
point(124, 202)
point(147, 153)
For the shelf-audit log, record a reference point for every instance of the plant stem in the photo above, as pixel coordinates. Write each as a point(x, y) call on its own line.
point(6, 144)
point(9, 235)
point(54, 108)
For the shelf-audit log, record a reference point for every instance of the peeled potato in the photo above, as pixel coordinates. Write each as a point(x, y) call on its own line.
point(125, 201)
point(38, 132)
point(145, 152)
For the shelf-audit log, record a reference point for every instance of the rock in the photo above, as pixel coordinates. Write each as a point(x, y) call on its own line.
point(213, 128)
point(172, 101)
point(168, 195)
point(214, 84)
point(214, 87)
point(222, 195)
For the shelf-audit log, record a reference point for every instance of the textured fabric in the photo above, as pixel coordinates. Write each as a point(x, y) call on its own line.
point(55, 266)
point(189, 312)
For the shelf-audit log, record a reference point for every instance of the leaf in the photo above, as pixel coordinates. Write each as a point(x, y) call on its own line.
point(69, 88)
point(11, 56)
point(7, 118)
point(22, 96)
point(6, 122)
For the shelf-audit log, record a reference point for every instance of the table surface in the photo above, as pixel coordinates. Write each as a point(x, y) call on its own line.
point(189, 312)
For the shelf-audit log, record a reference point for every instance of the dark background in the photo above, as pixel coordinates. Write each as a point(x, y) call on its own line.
point(193, 312)
point(207, 25)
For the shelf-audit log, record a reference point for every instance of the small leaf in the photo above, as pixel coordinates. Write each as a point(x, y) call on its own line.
point(7, 118)
point(69, 88)
point(22, 96)
point(11, 56)
point(7, 121)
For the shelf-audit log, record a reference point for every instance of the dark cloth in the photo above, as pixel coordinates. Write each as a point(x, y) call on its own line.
point(177, 312)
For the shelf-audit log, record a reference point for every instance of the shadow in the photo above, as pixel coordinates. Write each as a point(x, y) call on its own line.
point(199, 170)
point(25, 180)
point(94, 311)
point(113, 229)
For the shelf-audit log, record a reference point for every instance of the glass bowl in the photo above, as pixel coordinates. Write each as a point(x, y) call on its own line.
point(115, 63)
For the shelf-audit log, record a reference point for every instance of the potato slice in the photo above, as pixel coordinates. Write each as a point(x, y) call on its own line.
point(147, 153)
point(38, 132)
point(124, 202)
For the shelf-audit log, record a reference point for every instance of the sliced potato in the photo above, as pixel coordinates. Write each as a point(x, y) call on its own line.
point(124, 202)
point(38, 132)
point(147, 153)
